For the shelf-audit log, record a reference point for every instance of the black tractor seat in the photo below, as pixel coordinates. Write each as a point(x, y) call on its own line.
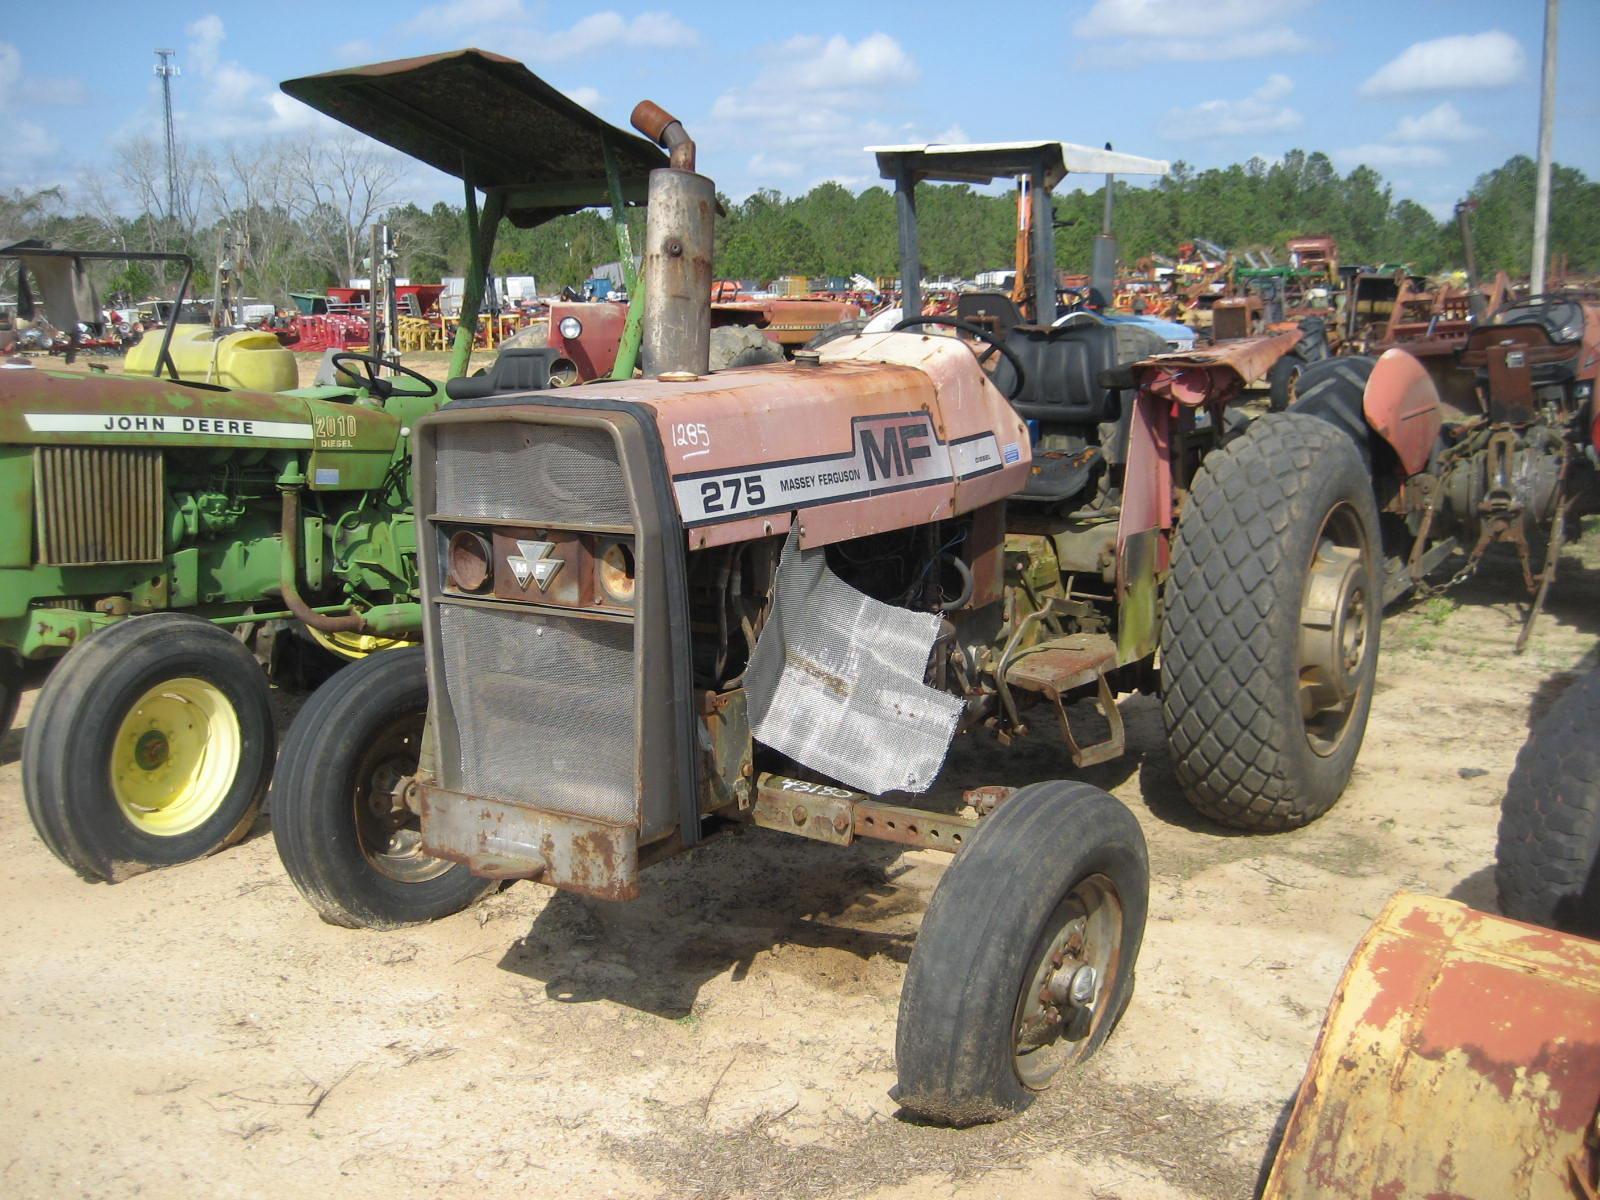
point(520, 369)
point(1062, 366)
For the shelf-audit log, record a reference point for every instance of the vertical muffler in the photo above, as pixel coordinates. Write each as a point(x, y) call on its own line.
point(676, 274)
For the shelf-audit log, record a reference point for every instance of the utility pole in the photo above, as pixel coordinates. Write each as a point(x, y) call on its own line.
point(1547, 120)
point(168, 70)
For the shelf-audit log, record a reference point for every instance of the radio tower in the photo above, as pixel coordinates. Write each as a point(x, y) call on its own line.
point(168, 70)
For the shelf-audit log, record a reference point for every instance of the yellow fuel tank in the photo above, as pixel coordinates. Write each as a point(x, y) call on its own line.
point(250, 360)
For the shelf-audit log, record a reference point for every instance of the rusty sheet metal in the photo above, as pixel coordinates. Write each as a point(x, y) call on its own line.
point(1213, 374)
point(1460, 1059)
point(499, 840)
point(488, 119)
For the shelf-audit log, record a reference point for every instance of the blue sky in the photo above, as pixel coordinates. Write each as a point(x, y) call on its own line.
point(1430, 92)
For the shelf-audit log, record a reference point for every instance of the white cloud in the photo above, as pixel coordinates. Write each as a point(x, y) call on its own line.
point(1166, 29)
point(1386, 154)
point(610, 30)
point(606, 31)
point(458, 14)
point(819, 99)
point(1469, 62)
point(10, 74)
point(1262, 111)
point(205, 42)
point(1442, 123)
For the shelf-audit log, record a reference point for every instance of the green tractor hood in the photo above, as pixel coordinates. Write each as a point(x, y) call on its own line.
point(351, 443)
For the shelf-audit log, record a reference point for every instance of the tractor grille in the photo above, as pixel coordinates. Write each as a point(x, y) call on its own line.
point(98, 504)
point(544, 708)
point(519, 472)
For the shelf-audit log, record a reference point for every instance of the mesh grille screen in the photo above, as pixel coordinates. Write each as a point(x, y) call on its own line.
point(544, 709)
point(521, 472)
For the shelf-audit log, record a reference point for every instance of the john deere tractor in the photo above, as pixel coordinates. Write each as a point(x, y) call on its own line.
point(166, 533)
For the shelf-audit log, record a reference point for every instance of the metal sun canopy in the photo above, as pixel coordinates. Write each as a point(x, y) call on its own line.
point(1044, 164)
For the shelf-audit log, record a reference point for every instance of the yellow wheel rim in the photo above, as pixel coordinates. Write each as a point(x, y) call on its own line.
point(354, 645)
point(175, 756)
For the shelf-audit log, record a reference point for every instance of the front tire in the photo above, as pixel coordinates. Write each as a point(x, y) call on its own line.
point(1026, 955)
point(151, 744)
point(1282, 381)
point(353, 852)
point(1549, 838)
point(1269, 644)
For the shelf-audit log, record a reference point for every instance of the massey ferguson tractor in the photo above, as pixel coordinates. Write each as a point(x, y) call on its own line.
point(658, 607)
point(164, 527)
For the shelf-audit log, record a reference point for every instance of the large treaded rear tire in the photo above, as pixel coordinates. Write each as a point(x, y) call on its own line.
point(1549, 840)
point(955, 1049)
point(1230, 636)
point(316, 822)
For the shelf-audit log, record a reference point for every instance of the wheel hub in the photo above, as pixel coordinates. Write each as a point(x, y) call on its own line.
point(175, 756)
point(1060, 1004)
point(1333, 623)
point(1339, 615)
point(387, 826)
point(150, 751)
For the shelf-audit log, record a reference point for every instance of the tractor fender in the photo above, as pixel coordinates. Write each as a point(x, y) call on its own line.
point(1401, 405)
point(1460, 1056)
point(1392, 399)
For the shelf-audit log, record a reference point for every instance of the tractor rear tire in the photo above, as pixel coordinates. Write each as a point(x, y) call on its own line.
point(1549, 840)
point(1282, 381)
point(1332, 390)
point(742, 346)
point(355, 859)
point(151, 744)
point(1269, 643)
point(1061, 868)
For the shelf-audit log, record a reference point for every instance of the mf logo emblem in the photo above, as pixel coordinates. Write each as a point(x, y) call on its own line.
point(533, 560)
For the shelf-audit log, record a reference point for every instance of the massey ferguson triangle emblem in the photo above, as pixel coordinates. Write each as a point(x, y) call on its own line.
point(534, 560)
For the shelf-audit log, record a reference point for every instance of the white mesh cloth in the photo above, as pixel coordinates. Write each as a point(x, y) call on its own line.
point(836, 682)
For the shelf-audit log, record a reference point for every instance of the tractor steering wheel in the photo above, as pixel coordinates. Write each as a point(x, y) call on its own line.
point(983, 335)
point(375, 383)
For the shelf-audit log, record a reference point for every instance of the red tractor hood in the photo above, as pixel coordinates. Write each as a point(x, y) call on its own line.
point(887, 431)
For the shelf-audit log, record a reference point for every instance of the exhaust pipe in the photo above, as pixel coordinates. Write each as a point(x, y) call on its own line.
point(676, 274)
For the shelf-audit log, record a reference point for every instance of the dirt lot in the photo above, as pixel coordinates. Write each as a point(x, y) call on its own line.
point(199, 1032)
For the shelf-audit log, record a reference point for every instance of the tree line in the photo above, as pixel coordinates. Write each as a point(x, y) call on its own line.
point(303, 210)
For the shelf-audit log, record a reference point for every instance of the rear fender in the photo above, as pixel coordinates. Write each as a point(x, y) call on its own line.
point(1401, 405)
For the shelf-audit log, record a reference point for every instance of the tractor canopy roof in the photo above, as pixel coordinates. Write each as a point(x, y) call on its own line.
point(490, 121)
point(984, 162)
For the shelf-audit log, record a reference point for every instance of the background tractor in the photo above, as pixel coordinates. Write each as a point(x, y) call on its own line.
point(218, 519)
point(658, 607)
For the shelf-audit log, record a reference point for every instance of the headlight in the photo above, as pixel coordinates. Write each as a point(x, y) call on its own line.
point(571, 328)
point(470, 561)
point(616, 571)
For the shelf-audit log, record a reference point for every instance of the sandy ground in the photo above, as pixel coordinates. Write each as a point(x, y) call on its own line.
point(198, 1032)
